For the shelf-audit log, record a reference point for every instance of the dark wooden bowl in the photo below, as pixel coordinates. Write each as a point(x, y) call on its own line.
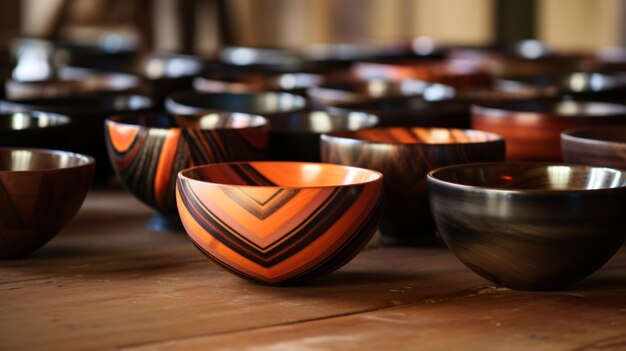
point(595, 146)
point(71, 82)
point(410, 111)
point(41, 191)
point(530, 226)
point(88, 114)
point(34, 129)
point(405, 156)
point(532, 128)
point(279, 222)
point(148, 150)
point(164, 74)
point(257, 81)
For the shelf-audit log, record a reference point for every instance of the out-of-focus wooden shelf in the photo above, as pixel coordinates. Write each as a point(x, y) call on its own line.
point(107, 282)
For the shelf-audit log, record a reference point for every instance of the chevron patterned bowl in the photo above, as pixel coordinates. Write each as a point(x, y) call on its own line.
point(148, 150)
point(41, 190)
point(279, 223)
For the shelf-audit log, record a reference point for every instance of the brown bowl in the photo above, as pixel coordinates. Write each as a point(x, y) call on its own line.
point(532, 129)
point(405, 156)
point(296, 82)
point(531, 226)
point(34, 129)
point(596, 146)
point(42, 191)
point(148, 150)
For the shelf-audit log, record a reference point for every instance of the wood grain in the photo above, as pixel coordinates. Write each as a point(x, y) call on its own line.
point(107, 282)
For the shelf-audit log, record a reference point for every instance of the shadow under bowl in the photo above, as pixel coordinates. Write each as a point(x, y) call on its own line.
point(530, 226)
point(147, 150)
point(532, 128)
point(595, 146)
point(41, 191)
point(405, 156)
point(279, 223)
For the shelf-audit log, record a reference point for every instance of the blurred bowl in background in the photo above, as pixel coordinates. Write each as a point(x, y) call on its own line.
point(595, 146)
point(35, 130)
point(148, 150)
point(41, 191)
point(532, 128)
point(165, 73)
point(405, 156)
point(295, 82)
point(279, 222)
point(530, 226)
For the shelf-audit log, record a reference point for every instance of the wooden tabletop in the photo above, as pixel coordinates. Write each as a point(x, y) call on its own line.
point(107, 282)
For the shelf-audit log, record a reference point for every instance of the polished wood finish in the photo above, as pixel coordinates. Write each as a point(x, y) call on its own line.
point(106, 282)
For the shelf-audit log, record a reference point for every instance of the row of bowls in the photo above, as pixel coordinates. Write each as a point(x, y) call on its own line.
point(523, 225)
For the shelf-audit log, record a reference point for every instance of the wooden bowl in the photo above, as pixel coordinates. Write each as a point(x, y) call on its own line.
point(72, 81)
point(405, 156)
point(148, 150)
point(279, 222)
point(266, 104)
point(532, 128)
point(410, 111)
point(164, 74)
point(256, 81)
point(34, 129)
point(595, 146)
point(358, 91)
point(42, 191)
point(88, 114)
point(530, 226)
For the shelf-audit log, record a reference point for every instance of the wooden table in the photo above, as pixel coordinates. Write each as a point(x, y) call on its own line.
point(107, 282)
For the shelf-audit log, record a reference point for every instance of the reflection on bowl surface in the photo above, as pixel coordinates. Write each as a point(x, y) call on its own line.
point(596, 146)
point(279, 222)
point(530, 226)
point(405, 156)
point(42, 190)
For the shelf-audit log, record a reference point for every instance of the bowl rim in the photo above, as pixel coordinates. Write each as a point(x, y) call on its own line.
point(379, 176)
point(569, 135)
point(500, 109)
point(88, 161)
point(63, 119)
point(44, 104)
point(263, 121)
point(335, 135)
point(541, 192)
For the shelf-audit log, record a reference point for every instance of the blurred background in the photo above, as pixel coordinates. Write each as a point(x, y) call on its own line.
point(200, 26)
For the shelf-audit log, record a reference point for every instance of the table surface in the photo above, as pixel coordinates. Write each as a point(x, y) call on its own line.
point(108, 282)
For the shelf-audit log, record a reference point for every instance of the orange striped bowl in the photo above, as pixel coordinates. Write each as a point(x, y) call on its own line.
point(279, 222)
point(148, 150)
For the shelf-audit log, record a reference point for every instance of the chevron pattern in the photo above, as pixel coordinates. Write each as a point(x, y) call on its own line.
point(274, 234)
point(147, 159)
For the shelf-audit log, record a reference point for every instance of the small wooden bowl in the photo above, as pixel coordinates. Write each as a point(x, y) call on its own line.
point(148, 150)
point(530, 226)
point(164, 74)
point(532, 129)
point(405, 156)
point(295, 82)
point(279, 222)
point(595, 146)
point(42, 191)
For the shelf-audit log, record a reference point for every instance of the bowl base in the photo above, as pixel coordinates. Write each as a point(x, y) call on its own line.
point(163, 223)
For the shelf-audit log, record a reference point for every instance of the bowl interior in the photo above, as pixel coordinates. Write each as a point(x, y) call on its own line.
point(282, 174)
point(18, 160)
point(30, 121)
point(209, 121)
point(612, 135)
point(531, 176)
point(398, 135)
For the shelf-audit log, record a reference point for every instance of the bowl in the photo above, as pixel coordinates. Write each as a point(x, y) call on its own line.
point(530, 226)
point(358, 91)
point(405, 156)
point(267, 104)
point(279, 222)
point(88, 114)
point(295, 82)
point(410, 111)
point(460, 74)
point(165, 73)
point(532, 128)
point(595, 146)
point(148, 150)
point(41, 191)
point(72, 81)
point(34, 129)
